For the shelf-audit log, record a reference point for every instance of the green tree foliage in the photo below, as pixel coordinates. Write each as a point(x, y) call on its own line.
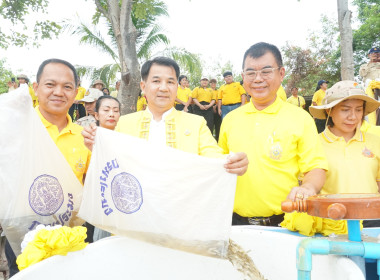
point(20, 33)
point(189, 63)
point(5, 76)
point(218, 69)
point(368, 33)
point(302, 69)
point(150, 37)
point(321, 58)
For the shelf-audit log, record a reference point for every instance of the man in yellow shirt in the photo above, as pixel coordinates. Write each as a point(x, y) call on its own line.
point(280, 140)
point(295, 99)
point(56, 88)
point(161, 124)
point(217, 117)
point(231, 95)
point(77, 110)
point(98, 84)
point(371, 70)
point(318, 96)
point(320, 92)
point(281, 93)
point(204, 98)
point(141, 102)
point(23, 79)
point(183, 98)
point(116, 91)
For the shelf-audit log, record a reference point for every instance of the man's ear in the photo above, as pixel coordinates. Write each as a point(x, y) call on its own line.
point(142, 86)
point(282, 73)
point(35, 87)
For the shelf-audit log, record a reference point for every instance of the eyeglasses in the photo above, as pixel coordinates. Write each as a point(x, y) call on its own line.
point(266, 73)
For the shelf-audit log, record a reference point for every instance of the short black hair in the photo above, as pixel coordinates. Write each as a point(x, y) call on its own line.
point(58, 61)
point(106, 89)
point(181, 77)
point(260, 49)
point(102, 98)
point(160, 60)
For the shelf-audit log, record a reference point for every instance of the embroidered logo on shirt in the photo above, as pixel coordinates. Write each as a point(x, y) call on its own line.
point(367, 153)
point(275, 151)
point(187, 132)
point(79, 165)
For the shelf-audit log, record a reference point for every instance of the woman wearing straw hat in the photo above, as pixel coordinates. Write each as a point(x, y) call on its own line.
point(353, 155)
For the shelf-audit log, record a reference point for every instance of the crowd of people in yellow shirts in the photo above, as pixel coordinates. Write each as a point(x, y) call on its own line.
point(287, 158)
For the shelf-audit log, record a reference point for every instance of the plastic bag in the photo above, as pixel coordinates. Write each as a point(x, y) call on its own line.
point(37, 185)
point(158, 194)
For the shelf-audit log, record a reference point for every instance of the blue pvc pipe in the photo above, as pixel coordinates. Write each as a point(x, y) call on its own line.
point(307, 247)
point(354, 230)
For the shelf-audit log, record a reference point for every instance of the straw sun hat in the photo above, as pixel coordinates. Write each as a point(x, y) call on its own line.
point(340, 92)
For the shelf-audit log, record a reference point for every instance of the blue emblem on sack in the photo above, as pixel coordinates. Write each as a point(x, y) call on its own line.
point(45, 195)
point(126, 193)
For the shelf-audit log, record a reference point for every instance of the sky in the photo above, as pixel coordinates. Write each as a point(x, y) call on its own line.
point(218, 30)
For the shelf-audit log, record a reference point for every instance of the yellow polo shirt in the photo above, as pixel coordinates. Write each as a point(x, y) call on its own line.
point(81, 93)
point(203, 94)
point(141, 101)
point(231, 93)
point(281, 93)
point(71, 144)
point(354, 166)
point(215, 93)
point(369, 128)
point(299, 101)
point(114, 93)
point(33, 96)
point(281, 143)
point(183, 94)
point(318, 96)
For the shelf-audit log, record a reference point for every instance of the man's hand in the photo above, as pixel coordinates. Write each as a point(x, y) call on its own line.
point(237, 163)
point(12, 84)
point(214, 109)
point(312, 184)
point(300, 193)
point(89, 136)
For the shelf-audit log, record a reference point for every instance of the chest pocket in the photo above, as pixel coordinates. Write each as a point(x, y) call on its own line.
point(77, 160)
point(280, 146)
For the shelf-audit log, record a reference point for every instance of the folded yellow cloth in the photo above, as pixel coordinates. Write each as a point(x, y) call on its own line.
point(47, 243)
point(309, 225)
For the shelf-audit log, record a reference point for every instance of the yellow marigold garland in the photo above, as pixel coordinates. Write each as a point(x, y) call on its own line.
point(47, 243)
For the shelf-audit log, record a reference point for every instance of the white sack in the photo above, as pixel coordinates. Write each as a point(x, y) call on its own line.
point(158, 194)
point(37, 184)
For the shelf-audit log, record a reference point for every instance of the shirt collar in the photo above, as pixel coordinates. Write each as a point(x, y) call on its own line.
point(164, 115)
point(331, 137)
point(271, 109)
point(69, 127)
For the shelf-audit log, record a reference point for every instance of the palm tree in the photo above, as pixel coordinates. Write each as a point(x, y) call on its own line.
point(150, 35)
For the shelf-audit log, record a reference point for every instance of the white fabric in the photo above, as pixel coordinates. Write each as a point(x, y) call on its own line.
point(37, 184)
point(157, 130)
point(161, 195)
